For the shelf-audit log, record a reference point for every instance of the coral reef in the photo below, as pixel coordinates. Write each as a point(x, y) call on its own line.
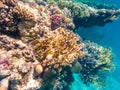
point(35, 20)
point(29, 20)
point(26, 12)
point(39, 50)
point(97, 60)
point(8, 19)
point(83, 14)
point(16, 61)
point(57, 49)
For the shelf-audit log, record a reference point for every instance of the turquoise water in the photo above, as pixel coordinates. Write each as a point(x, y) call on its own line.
point(115, 2)
point(107, 36)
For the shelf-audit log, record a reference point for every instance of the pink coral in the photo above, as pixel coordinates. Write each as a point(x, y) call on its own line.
point(4, 63)
point(56, 21)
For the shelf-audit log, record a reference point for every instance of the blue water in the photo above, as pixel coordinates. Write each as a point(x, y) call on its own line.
point(115, 2)
point(107, 36)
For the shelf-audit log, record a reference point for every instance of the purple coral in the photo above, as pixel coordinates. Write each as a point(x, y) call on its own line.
point(4, 62)
point(56, 21)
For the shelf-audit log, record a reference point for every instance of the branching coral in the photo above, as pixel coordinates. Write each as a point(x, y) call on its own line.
point(26, 12)
point(58, 48)
point(34, 20)
point(96, 62)
point(56, 51)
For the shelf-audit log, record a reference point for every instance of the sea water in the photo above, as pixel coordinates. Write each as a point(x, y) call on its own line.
point(107, 36)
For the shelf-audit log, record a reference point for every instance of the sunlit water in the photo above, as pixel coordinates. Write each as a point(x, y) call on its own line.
point(107, 36)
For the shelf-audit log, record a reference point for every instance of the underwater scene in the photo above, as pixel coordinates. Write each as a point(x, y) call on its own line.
point(59, 45)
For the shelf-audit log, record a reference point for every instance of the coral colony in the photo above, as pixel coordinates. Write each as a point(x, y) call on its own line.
point(39, 49)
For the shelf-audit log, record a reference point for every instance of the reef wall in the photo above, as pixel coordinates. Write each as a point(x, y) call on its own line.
point(39, 50)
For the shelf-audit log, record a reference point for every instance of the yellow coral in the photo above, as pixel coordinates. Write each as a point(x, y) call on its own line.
point(61, 45)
